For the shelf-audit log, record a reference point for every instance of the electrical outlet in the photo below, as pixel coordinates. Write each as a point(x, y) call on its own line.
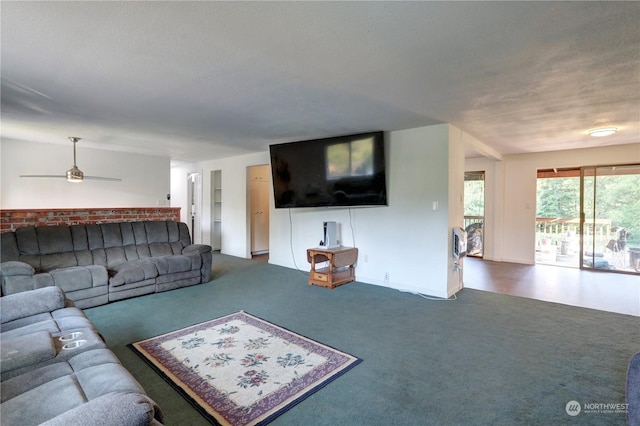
point(386, 277)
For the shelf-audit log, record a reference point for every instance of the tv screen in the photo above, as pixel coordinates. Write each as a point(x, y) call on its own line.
point(331, 172)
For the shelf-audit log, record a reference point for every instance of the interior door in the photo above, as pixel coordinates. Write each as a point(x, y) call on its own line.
point(259, 205)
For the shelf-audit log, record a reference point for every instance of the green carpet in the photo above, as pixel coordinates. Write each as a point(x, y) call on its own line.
point(482, 359)
point(241, 370)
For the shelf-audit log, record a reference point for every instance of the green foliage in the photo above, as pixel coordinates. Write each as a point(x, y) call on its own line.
point(558, 198)
point(474, 198)
point(617, 198)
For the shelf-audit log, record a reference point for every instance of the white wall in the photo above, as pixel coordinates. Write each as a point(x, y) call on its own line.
point(458, 141)
point(407, 240)
point(510, 191)
point(145, 179)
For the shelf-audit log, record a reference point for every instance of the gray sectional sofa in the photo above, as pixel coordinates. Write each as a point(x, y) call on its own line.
point(97, 264)
point(633, 391)
point(56, 369)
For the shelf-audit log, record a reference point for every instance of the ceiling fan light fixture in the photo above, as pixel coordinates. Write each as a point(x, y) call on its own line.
point(603, 131)
point(75, 175)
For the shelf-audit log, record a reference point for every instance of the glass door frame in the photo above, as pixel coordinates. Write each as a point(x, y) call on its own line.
point(583, 219)
point(477, 232)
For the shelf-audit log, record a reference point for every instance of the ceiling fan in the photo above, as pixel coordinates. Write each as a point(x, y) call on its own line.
point(74, 174)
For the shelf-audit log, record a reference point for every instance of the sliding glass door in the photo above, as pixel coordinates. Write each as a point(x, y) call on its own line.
point(611, 218)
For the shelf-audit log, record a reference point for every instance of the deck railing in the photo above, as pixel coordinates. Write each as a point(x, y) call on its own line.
point(468, 220)
point(555, 231)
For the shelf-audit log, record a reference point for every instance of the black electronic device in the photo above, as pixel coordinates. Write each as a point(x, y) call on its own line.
point(332, 172)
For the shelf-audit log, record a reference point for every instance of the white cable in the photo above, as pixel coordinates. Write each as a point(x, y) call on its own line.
point(424, 296)
point(293, 257)
point(353, 235)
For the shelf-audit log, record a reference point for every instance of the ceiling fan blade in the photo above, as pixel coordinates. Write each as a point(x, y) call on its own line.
point(103, 178)
point(74, 174)
point(44, 176)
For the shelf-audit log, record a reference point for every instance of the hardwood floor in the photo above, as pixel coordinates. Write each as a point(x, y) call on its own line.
point(260, 257)
point(604, 291)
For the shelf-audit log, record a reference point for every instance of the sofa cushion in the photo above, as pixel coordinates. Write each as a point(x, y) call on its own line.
point(20, 384)
point(143, 250)
point(8, 247)
point(139, 233)
point(95, 373)
point(126, 273)
point(94, 236)
point(104, 378)
point(160, 249)
point(29, 349)
point(27, 325)
point(196, 249)
point(111, 235)
point(79, 237)
point(156, 232)
point(50, 262)
point(115, 256)
point(114, 409)
point(172, 264)
point(43, 402)
point(91, 358)
point(71, 318)
point(27, 241)
point(126, 231)
point(54, 239)
point(58, 321)
point(71, 279)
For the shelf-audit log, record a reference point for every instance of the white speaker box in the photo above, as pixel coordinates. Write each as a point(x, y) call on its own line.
point(330, 235)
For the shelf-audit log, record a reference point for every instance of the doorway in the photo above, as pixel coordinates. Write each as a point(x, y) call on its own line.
point(587, 217)
point(259, 184)
point(474, 212)
point(611, 223)
point(194, 201)
point(558, 217)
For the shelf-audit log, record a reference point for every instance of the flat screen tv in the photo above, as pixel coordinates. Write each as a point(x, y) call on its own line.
point(341, 171)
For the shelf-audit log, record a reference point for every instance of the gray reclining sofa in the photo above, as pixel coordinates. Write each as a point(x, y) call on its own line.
point(97, 264)
point(56, 370)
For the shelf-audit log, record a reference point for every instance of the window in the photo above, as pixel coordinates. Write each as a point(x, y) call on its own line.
point(350, 159)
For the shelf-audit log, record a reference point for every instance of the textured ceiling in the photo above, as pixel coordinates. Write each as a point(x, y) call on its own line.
point(203, 80)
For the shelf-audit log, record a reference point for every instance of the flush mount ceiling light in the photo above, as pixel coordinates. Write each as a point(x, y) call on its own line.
point(603, 131)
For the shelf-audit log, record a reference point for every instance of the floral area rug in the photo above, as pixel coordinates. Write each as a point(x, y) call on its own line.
point(242, 370)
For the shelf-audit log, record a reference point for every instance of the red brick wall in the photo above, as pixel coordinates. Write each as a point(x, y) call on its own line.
point(14, 219)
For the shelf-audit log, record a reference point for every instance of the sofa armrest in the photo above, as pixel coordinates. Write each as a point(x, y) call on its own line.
point(15, 267)
point(112, 409)
point(196, 249)
point(28, 303)
point(633, 391)
point(16, 276)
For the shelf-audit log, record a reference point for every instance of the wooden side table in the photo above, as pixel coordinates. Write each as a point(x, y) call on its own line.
point(341, 266)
